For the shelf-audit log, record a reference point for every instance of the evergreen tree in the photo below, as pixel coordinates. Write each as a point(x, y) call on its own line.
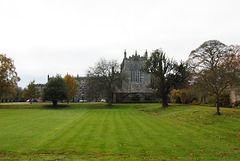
point(55, 90)
point(166, 74)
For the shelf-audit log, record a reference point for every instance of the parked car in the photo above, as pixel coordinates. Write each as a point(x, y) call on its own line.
point(103, 100)
point(82, 100)
point(34, 100)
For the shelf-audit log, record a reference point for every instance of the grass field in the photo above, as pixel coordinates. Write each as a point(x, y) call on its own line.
point(122, 132)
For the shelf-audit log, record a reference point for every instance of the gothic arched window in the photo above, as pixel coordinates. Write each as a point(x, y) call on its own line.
point(136, 75)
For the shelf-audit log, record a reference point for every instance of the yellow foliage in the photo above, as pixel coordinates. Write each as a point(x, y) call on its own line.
point(72, 85)
point(175, 93)
point(184, 95)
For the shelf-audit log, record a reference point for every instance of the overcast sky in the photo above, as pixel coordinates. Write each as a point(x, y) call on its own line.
point(68, 36)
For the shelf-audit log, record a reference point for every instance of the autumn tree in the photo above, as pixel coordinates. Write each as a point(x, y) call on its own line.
point(215, 67)
point(72, 85)
point(55, 90)
point(166, 74)
point(8, 76)
point(31, 91)
point(107, 78)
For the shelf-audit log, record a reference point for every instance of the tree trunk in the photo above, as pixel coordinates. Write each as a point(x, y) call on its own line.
point(109, 99)
point(164, 101)
point(54, 103)
point(109, 103)
point(217, 112)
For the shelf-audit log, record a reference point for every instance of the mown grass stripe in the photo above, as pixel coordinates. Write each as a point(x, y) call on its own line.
point(118, 127)
point(103, 131)
point(174, 139)
point(22, 130)
point(65, 136)
point(174, 133)
point(89, 140)
point(135, 148)
point(131, 131)
point(112, 137)
point(50, 134)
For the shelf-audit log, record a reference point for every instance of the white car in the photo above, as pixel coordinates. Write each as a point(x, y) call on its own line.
point(103, 100)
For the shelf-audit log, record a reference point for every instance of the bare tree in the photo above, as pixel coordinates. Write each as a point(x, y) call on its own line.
point(107, 79)
point(215, 67)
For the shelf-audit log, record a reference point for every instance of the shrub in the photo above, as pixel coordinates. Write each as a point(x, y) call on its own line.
point(135, 98)
point(223, 100)
point(176, 95)
point(185, 96)
point(182, 96)
point(237, 104)
point(150, 97)
point(195, 102)
point(141, 101)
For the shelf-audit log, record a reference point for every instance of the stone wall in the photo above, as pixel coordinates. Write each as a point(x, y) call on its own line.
point(234, 95)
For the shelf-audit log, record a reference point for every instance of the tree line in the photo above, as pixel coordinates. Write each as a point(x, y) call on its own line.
point(211, 70)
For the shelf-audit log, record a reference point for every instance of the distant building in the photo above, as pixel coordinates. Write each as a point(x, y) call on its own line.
point(137, 83)
point(138, 80)
point(82, 88)
point(40, 88)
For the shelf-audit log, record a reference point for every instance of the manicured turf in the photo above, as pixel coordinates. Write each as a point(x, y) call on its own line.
point(125, 131)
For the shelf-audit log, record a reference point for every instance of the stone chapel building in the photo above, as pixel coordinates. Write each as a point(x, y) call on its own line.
point(137, 81)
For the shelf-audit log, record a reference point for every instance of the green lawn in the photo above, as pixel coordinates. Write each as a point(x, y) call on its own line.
point(123, 132)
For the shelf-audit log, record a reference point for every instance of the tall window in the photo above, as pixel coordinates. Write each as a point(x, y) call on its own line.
point(136, 75)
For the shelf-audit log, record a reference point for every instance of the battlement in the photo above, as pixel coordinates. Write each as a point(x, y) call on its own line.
point(136, 57)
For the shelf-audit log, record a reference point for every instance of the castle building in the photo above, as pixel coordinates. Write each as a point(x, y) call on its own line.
point(137, 80)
